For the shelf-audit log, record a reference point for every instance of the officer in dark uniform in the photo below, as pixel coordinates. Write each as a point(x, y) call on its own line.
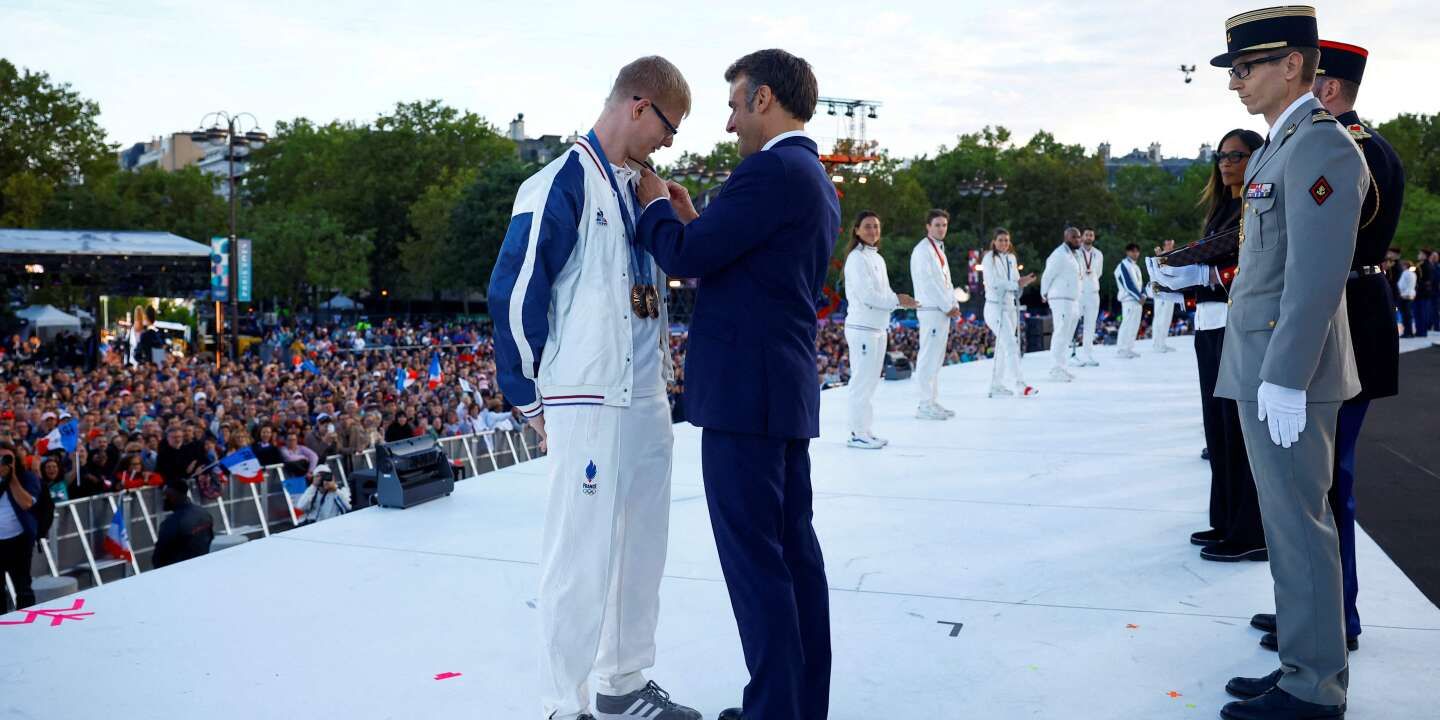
point(1369, 301)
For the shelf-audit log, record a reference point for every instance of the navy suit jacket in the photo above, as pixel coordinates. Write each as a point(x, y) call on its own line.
point(760, 252)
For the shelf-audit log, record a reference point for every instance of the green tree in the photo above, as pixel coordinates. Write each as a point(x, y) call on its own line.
point(49, 133)
point(181, 202)
point(369, 176)
point(426, 256)
point(314, 242)
point(479, 222)
point(23, 197)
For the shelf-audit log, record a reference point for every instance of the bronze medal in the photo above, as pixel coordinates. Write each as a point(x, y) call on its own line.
point(652, 301)
point(637, 300)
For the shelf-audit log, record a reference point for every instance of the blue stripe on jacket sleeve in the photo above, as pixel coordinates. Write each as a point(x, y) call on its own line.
point(558, 234)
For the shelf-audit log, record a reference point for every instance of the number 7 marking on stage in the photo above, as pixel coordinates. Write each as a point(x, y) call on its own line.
point(954, 627)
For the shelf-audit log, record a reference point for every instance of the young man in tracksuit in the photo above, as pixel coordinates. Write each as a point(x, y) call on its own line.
point(581, 348)
point(935, 291)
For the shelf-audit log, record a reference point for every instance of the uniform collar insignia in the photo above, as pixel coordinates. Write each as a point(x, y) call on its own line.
point(1358, 132)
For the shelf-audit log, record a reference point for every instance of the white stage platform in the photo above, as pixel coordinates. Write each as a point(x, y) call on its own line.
point(1055, 529)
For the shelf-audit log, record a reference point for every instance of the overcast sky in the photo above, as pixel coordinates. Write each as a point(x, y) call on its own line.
point(1088, 71)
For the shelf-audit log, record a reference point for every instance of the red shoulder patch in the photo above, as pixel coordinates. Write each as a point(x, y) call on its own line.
point(1321, 191)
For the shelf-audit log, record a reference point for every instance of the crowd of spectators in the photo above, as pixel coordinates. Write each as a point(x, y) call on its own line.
point(302, 395)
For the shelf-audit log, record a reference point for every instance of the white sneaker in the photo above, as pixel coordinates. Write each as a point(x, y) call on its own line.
point(883, 442)
point(1082, 362)
point(1164, 349)
point(1000, 391)
point(929, 412)
point(1060, 375)
point(1026, 391)
point(864, 442)
point(1127, 354)
point(943, 409)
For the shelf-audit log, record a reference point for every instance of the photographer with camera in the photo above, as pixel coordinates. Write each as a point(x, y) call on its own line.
point(324, 498)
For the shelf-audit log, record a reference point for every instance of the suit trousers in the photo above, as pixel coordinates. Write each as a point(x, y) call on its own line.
point(1424, 307)
point(1407, 317)
point(1234, 505)
point(867, 358)
point(759, 494)
point(1130, 315)
point(1160, 325)
point(1089, 318)
point(1342, 502)
point(1065, 314)
point(607, 527)
point(1304, 552)
point(934, 338)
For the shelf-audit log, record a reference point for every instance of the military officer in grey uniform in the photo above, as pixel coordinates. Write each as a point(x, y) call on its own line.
point(1287, 357)
point(1367, 298)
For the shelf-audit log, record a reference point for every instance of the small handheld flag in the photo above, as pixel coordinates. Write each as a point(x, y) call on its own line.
point(435, 375)
point(117, 537)
point(244, 466)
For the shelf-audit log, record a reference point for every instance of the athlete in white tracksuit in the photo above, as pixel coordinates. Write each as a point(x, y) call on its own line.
point(1002, 315)
point(1164, 311)
point(935, 292)
point(590, 373)
point(867, 323)
point(1129, 284)
point(1092, 264)
point(1060, 288)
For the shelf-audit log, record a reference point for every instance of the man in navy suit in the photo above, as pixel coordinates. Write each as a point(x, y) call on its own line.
point(760, 253)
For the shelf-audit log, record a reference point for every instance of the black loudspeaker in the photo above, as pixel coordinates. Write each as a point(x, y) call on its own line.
point(410, 472)
point(1037, 332)
point(362, 488)
point(897, 366)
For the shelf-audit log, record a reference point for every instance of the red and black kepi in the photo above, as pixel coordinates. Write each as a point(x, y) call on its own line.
point(1287, 26)
point(1341, 61)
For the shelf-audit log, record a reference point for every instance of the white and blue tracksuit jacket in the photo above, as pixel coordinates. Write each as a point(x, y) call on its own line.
point(560, 292)
point(1128, 281)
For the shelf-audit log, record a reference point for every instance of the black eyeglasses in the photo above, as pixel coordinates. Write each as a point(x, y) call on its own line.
point(669, 127)
point(1242, 71)
point(1233, 156)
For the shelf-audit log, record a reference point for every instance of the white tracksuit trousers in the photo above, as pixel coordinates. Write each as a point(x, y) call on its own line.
point(1064, 314)
point(603, 550)
point(1130, 314)
point(867, 358)
point(1160, 327)
point(934, 338)
point(1002, 321)
point(1089, 318)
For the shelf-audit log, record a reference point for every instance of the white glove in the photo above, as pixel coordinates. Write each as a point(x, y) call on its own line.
point(1284, 409)
point(1179, 278)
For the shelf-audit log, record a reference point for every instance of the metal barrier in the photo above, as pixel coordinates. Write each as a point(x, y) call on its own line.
point(73, 546)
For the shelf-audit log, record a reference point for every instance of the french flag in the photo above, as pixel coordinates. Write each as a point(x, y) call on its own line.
point(63, 436)
point(404, 378)
point(117, 537)
point(435, 375)
point(244, 466)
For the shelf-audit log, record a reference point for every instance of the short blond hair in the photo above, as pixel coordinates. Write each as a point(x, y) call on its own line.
point(655, 79)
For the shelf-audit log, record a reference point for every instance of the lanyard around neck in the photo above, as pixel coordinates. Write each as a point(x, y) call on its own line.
point(938, 255)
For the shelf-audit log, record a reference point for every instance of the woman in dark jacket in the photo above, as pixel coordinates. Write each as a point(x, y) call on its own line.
point(1236, 533)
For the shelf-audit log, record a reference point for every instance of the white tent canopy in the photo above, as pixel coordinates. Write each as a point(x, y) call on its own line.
point(339, 302)
point(48, 321)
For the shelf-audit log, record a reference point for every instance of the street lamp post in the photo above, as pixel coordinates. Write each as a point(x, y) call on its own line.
point(983, 187)
point(233, 139)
